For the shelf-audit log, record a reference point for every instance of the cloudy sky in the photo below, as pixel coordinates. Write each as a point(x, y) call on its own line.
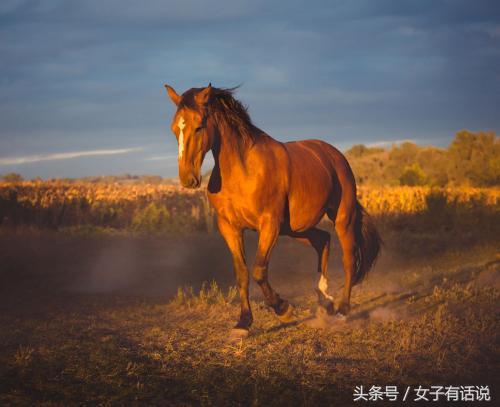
point(81, 82)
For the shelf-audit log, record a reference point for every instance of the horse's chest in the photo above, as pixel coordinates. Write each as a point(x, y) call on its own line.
point(236, 209)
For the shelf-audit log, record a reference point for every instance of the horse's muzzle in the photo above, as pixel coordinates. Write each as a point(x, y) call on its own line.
point(191, 181)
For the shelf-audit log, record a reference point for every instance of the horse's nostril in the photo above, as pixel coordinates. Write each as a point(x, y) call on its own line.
point(190, 182)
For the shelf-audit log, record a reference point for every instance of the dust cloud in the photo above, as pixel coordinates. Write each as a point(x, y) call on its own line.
point(57, 263)
point(154, 266)
point(157, 266)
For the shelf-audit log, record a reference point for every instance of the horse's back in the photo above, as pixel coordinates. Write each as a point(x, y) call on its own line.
point(318, 172)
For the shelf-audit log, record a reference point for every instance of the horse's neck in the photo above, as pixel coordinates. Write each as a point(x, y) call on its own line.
point(231, 153)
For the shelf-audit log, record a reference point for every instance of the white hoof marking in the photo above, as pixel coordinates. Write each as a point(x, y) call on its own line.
point(323, 287)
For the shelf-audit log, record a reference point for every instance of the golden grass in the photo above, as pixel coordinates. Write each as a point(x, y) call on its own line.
point(407, 200)
point(153, 208)
point(147, 207)
point(209, 294)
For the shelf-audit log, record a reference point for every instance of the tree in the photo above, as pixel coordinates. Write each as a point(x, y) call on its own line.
point(434, 163)
point(412, 176)
point(12, 177)
point(360, 150)
point(474, 158)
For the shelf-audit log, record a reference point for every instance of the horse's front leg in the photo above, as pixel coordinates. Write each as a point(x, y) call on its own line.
point(268, 236)
point(234, 239)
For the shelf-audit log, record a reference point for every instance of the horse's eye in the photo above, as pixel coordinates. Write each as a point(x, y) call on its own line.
point(198, 129)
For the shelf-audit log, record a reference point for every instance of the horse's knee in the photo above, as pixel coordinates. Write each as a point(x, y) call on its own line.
point(259, 274)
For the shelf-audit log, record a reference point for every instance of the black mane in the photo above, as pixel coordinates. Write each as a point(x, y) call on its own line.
point(226, 111)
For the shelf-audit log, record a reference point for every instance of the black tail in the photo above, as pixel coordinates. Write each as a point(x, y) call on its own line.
point(368, 243)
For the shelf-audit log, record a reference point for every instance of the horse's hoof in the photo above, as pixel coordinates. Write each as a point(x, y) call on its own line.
point(340, 318)
point(324, 312)
point(288, 316)
point(325, 302)
point(327, 307)
point(323, 320)
point(343, 309)
point(237, 334)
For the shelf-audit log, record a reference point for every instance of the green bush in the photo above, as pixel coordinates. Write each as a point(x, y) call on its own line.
point(12, 177)
point(151, 219)
point(412, 176)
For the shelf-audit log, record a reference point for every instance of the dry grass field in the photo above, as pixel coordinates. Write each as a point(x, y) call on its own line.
point(125, 318)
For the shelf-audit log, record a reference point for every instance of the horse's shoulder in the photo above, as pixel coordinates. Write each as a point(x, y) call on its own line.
point(268, 147)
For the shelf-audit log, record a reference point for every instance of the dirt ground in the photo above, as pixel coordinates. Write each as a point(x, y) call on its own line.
point(96, 320)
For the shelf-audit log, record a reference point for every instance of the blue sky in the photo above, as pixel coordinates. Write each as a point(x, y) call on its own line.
point(81, 82)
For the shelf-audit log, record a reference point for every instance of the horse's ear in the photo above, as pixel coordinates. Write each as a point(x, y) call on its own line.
point(203, 96)
point(173, 95)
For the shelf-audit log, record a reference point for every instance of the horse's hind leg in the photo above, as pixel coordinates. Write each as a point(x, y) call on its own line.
point(320, 241)
point(267, 239)
point(345, 228)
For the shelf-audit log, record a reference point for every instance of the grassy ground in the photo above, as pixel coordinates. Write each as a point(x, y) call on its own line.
point(96, 320)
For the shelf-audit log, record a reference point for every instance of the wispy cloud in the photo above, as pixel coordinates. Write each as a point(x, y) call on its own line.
point(161, 157)
point(63, 156)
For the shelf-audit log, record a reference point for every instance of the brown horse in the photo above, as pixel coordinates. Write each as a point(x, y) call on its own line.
point(261, 184)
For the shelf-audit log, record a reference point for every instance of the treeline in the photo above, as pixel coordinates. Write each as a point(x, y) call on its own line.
point(472, 159)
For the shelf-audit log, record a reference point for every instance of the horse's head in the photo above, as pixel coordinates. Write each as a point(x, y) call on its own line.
point(190, 128)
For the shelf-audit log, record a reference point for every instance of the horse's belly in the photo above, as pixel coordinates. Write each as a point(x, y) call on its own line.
point(308, 199)
point(306, 213)
point(311, 183)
